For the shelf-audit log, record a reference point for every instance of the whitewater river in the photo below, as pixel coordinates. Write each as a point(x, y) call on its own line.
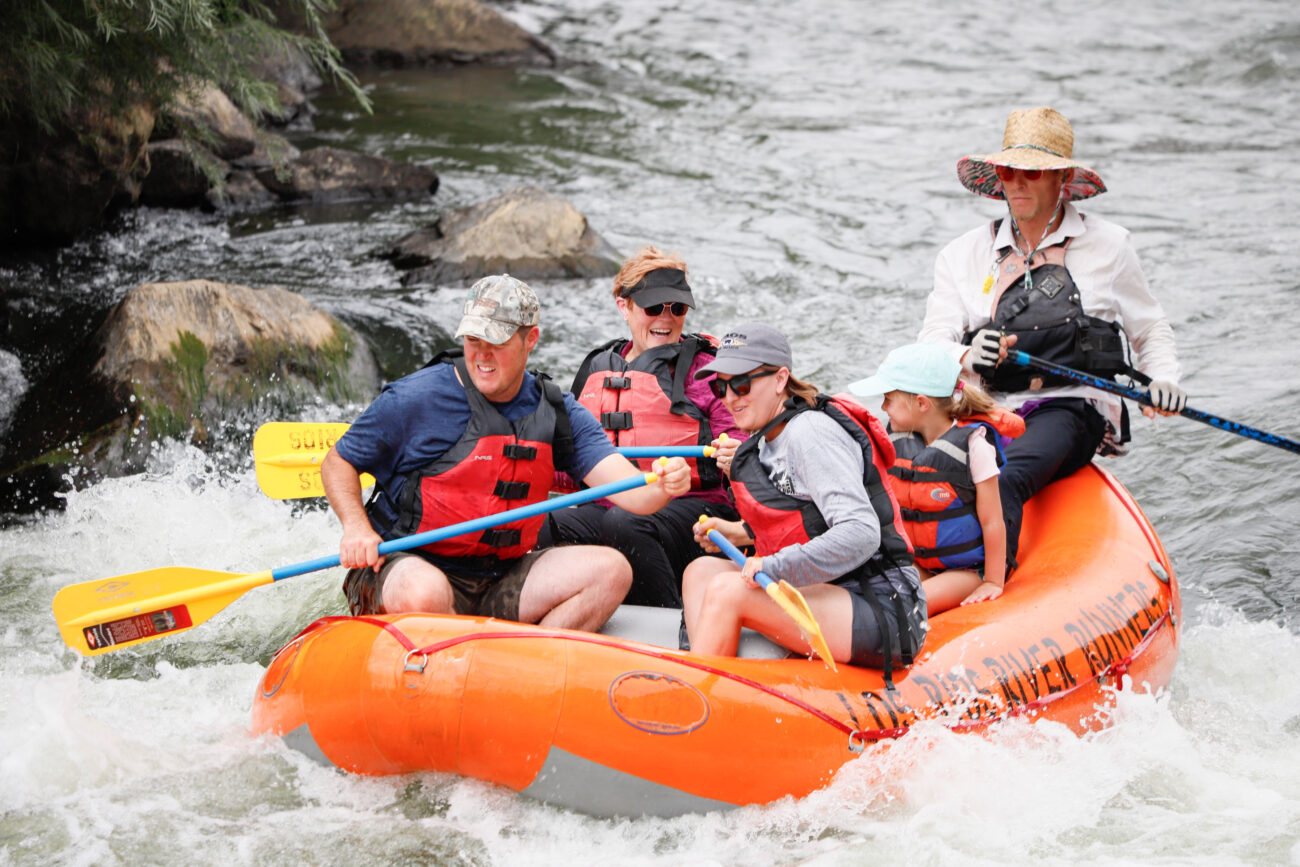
point(801, 157)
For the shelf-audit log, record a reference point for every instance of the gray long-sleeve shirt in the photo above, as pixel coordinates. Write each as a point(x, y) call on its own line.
point(815, 459)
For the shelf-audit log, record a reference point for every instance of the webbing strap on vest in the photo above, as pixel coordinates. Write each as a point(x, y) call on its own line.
point(690, 347)
point(910, 474)
point(916, 516)
point(562, 441)
point(949, 550)
point(882, 625)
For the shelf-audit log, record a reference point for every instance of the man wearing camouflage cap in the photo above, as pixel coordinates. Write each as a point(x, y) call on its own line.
point(472, 434)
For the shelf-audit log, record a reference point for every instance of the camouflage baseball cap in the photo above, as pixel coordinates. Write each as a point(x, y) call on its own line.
point(496, 308)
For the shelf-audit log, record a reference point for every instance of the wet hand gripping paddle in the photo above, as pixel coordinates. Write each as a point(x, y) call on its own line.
point(98, 616)
point(1143, 396)
point(790, 599)
point(287, 456)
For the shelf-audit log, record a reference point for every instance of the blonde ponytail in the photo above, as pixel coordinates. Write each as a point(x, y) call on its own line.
point(967, 401)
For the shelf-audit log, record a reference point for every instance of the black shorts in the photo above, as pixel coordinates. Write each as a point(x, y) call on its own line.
point(484, 596)
point(867, 644)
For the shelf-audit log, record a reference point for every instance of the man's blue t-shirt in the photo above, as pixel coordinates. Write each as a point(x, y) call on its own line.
point(419, 417)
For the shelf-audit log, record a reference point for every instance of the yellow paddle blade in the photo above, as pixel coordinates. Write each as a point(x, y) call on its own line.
point(98, 616)
point(793, 603)
point(287, 456)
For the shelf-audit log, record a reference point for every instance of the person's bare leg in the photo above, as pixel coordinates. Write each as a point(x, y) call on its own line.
point(730, 603)
point(415, 584)
point(696, 578)
point(575, 587)
point(947, 589)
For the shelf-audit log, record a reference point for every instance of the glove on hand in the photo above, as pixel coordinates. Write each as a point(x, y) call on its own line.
point(1167, 396)
point(984, 349)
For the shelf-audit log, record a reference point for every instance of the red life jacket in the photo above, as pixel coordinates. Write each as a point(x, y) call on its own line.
point(496, 465)
point(936, 495)
point(644, 403)
point(778, 519)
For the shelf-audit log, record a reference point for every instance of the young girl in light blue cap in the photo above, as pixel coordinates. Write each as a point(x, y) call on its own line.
point(948, 437)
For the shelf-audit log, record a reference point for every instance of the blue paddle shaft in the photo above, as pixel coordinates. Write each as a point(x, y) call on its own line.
point(737, 556)
point(487, 521)
point(1143, 396)
point(661, 451)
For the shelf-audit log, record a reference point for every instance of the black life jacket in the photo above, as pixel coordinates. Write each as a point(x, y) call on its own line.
point(778, 519)
point(1036, 299)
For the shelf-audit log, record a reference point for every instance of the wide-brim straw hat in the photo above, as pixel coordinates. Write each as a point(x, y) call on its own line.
point(1036, 138)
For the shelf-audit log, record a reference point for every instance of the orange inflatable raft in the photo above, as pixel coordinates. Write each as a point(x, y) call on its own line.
point(612, 725)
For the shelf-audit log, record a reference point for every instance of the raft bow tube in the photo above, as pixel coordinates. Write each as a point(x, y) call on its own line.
point(610, 725)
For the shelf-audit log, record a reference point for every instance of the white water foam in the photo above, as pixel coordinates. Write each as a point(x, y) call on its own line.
point(13, 385)
point(146, 750)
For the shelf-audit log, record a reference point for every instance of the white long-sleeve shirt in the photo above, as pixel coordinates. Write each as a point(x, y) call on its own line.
point(1105, 268)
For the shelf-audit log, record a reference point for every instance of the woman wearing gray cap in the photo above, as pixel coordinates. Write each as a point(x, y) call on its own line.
point(810, 486)
point(643, 392)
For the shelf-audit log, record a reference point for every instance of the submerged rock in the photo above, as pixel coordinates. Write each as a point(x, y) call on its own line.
point(526, 232)
point(171, 361)
point(328, 174)
point(415, 32)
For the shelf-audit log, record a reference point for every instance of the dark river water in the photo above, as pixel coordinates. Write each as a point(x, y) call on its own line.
point(801, 157)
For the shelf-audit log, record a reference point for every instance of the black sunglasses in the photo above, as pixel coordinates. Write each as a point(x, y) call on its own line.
point(678, 308)
point(739, 384)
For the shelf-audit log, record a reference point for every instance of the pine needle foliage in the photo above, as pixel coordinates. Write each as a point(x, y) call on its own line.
point(58, 57)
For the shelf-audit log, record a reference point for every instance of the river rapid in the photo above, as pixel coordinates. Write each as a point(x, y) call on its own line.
point(801, 157)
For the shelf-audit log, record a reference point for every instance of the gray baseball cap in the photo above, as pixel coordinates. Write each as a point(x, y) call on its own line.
point(746, 347)
point(496, 308)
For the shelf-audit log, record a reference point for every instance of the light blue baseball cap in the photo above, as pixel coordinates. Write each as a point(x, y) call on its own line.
point(918, 368)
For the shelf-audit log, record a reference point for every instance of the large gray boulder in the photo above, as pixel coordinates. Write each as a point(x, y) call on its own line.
point(198, 346)
point(175, 360)
point(526, 232)
point(413, 32)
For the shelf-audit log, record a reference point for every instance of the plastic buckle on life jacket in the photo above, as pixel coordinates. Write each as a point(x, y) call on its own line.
point(516, 452)
point(499, 538)
point(616, 420)
point(511, 490)
point(618, 382)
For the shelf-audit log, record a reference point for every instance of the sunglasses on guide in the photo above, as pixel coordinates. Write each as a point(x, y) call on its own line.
point(677, 308)
point(1006, 173)
point(739, 384)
